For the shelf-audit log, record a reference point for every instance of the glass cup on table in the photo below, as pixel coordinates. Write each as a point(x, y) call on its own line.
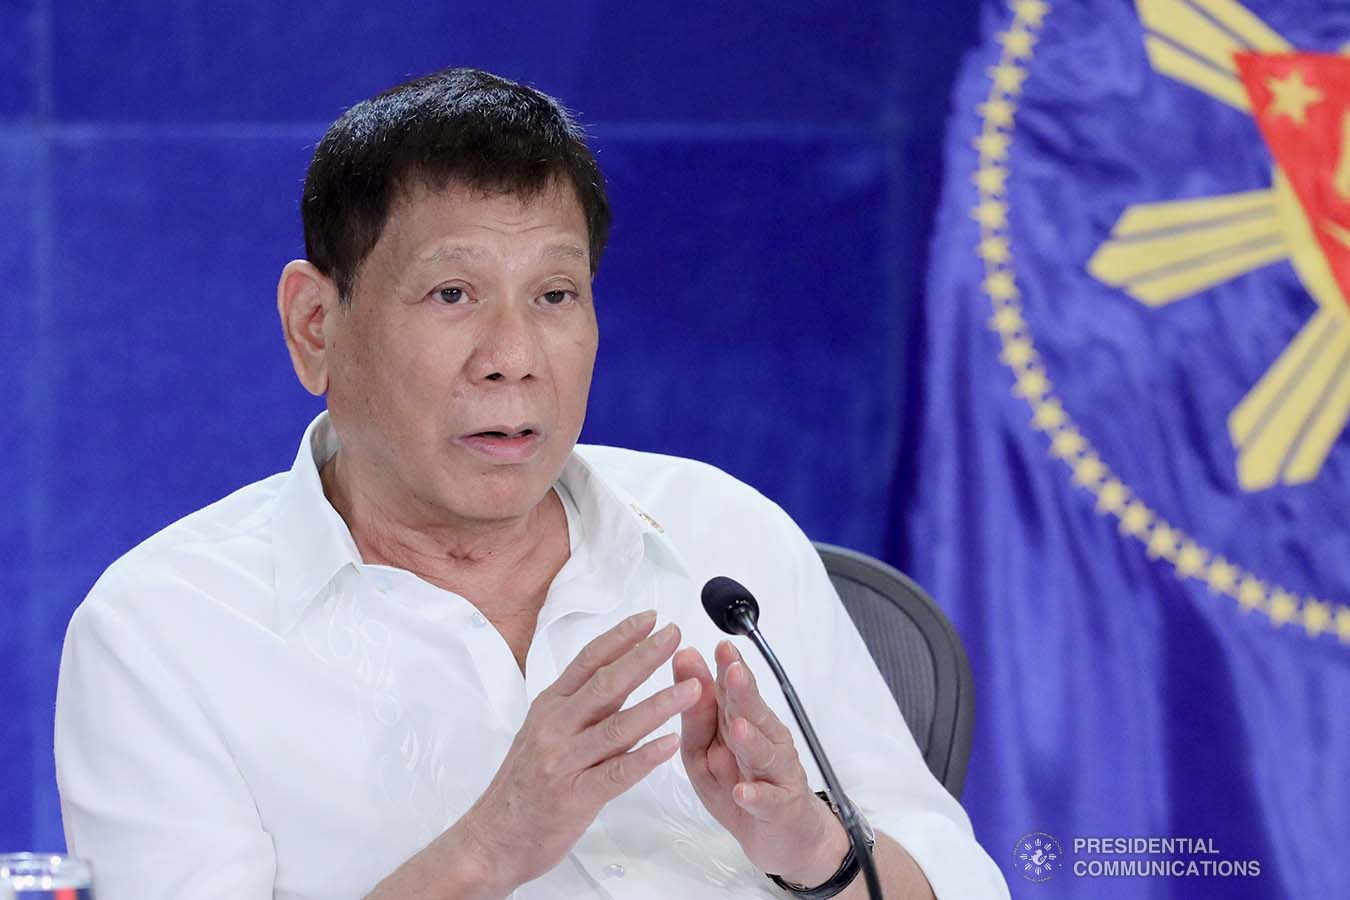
point(44, 876)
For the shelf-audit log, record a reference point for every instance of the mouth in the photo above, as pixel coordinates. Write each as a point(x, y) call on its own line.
point(504, 443)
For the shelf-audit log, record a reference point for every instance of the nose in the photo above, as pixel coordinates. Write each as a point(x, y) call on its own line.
point(508, 347)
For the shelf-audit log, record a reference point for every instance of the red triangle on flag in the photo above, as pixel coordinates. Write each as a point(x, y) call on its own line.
point(1301, 102)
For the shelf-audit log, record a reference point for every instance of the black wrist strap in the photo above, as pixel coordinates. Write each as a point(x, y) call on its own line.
point(835, 884)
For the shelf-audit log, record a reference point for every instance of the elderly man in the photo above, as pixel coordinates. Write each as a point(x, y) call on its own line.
point(430, 661)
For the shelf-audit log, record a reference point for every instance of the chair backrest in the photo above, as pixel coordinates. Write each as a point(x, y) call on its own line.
point(919, 654)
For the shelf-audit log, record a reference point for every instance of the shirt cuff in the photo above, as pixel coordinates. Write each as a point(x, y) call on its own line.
point(957, 868)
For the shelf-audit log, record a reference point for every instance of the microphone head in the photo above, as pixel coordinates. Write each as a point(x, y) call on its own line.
point(730, 605)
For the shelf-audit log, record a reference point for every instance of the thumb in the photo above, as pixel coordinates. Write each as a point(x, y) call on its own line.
point(764, 800)
point(698, 724)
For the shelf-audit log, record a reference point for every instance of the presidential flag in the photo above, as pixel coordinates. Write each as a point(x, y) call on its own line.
point(1131, 462)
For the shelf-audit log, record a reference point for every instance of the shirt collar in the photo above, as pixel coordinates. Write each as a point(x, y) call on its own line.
point(615, 522)
point(311, 543)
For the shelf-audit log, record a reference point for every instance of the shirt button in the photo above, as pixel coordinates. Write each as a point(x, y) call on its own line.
point(385, 583)
point(479, 620)
point(614, 870)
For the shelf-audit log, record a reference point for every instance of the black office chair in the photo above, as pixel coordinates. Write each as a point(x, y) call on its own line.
point(919, 654)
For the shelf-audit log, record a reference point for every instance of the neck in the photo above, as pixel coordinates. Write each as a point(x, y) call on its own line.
point(469, 557)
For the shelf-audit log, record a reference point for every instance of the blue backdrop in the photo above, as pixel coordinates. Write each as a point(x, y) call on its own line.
point(1160, 647)
point(773, 168)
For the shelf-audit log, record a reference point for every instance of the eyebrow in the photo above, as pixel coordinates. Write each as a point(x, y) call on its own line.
point(565, 252)
point(452, 254)
point(457, 252)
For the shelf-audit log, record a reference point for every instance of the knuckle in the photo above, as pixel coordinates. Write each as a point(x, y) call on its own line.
point(605, 683)
point(589, 657)
point(654, 643)
point(616, 773)
point(547, 734)
point(614, 731)
point(560, 767)
point(548, 765)
point(541, 708)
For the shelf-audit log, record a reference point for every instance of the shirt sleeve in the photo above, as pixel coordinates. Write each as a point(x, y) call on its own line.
point(149, 793)
point(873, 751)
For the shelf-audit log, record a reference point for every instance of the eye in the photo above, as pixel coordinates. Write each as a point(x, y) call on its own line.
point(450, 296)
point(556, 297)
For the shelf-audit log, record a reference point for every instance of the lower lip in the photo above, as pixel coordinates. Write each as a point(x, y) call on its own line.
point(503, 449)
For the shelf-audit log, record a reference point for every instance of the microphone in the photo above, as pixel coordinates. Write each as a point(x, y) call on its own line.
point(735, 610)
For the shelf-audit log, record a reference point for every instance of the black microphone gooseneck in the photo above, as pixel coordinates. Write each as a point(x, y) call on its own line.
point(734, 610)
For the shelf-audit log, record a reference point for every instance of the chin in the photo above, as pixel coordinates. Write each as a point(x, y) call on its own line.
point(500, 498)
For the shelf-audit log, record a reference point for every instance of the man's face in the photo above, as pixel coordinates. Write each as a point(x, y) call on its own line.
point(459, 373)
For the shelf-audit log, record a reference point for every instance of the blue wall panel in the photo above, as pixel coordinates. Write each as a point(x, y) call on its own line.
point(797, 60)
point(171, 354)
point(20, 26)
point(773, 171)
point(21, 724)
point(724, 319)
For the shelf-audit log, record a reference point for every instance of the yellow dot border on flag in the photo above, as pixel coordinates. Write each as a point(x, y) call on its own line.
point(1190, 561)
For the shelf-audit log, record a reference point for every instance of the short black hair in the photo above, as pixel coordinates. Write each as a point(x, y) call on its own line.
point(456, 125)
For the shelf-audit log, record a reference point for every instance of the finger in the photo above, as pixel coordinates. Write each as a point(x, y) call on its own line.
point(621, 730)
point(743, 700)
point(756, 754)
point(698, 723)
point(619, 773)
point(722, 765)
point(723, 739)
point(741, 659)
point(764, 800)
point(725, 655)
point(604, 650)
point(609, 686)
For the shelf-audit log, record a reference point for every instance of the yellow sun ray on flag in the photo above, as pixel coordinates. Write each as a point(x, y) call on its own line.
point(1326, 425)
point(1161, 252)
point(1286, 424)
point(1314, 365)
point(1194, 43)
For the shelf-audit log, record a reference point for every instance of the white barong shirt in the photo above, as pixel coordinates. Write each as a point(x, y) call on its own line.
point(247, 710)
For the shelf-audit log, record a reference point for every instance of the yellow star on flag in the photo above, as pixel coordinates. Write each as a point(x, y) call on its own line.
point(1162, 542)
point(1291, 96)
point(1135, 519)
point(1283, 607)
point(1111, 497)
point(1222, 576)
point(1049, 415)
point(994, 250)
point(1251, 593)
point(1018, 352)
point(1031, 11)
point(1191, 560)
point(1316, 617)
point(998, 112)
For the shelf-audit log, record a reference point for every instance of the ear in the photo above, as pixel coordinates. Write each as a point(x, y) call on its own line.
point(306, 299)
